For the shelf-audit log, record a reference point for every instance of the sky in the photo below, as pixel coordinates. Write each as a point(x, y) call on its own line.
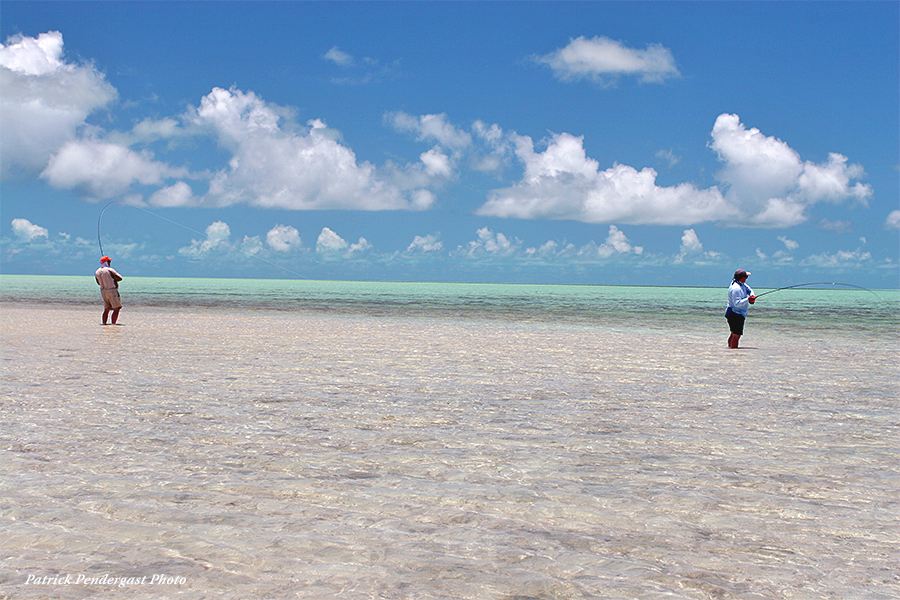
point(612, 143)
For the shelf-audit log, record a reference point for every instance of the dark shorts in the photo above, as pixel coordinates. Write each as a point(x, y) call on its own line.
point(735, 322)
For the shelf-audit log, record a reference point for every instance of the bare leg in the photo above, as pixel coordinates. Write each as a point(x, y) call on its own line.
point(733, 340)
point(106, 316)
point(115, 316)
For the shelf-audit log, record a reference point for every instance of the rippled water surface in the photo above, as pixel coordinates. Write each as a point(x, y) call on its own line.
point(325, 440)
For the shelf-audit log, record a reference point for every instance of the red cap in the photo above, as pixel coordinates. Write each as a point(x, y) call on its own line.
point(104, 259)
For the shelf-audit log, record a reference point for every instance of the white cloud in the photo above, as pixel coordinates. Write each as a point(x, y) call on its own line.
point(33, 56)
point(489, 243)
point(840, 259)
point(492, 134)
point(788, 243)
point(150, 130)
point(100, 170)
point(600, 58)
point(329, 241)
point(893, 220)
point(497, 148)
point(339, 57)
point(361, 246)
point(768, 182)
point(830, 182)
point(690, 243)
point(421, 199)
point(563, 183)
point(283, 238)
point(430, 128)
point(617, 243)
point(692, 247)
point(251, 245)
point(548, 249)
point(45, 100)
point(766, 185)
point(178, 194)
point(217, 235)
point(27, 231)
point(273, 168)
point(425, 243)
point(437, 164)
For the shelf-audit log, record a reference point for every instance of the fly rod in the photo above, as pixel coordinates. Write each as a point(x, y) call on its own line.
point(790, 287)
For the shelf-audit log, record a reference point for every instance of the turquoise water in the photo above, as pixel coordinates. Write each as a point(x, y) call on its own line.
point(303, 439)
point(837, 309)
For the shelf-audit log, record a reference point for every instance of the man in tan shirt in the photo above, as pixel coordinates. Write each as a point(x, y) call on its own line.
point(108, 280)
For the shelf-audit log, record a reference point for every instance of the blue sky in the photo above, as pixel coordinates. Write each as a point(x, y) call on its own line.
point(611, 143)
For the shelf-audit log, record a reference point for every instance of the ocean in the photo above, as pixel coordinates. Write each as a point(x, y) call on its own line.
point(314, 439)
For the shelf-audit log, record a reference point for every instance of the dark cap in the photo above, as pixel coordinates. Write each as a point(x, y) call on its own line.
point(740, 274)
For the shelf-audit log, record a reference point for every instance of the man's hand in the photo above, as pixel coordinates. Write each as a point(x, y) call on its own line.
point(752, 299)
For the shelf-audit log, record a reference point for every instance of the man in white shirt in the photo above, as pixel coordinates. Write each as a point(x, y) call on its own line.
point(108, 280)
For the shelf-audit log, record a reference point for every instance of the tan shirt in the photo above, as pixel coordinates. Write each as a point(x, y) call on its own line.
point(107, 278)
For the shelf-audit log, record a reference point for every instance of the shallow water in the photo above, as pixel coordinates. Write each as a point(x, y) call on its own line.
point(413, 443)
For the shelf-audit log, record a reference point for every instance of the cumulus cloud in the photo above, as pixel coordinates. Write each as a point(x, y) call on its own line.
point(489, 243)
point(361, 246)
point(893, 220)
point(273, 168)
point(217, 235)
point(100, 170)
point(563, 183)
point(840, 259)
point(45, 100)
point(425, 244)
point(692, 248)
point(283, 238)
point(27, 231)
point(765, 183)
point(436, 163)
point(549, 249)
point(617, 243)
point(690, 243)
point(329, 242)
point(600, 59)
point(178, 194)
point(768, 182)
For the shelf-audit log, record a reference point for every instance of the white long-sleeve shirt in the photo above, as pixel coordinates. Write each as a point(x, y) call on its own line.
point(739, 297)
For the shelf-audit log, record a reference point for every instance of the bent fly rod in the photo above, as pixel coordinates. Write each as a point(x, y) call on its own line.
point(790, 287)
